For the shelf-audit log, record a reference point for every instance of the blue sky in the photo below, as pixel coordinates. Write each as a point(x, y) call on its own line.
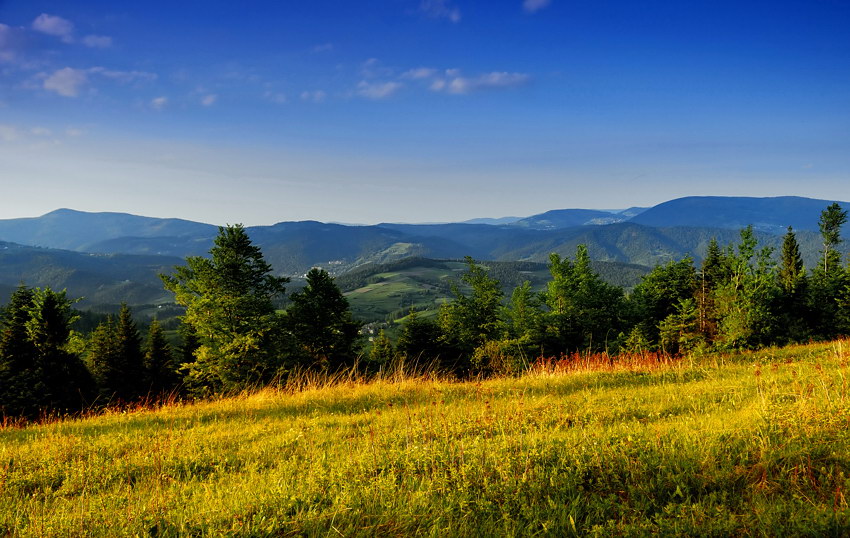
point(417, 110)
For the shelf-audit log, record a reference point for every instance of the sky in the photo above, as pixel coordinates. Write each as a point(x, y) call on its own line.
point(258, 112)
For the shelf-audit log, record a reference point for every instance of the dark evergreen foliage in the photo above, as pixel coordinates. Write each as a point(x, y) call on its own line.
point(321, 323)
point(160, 370)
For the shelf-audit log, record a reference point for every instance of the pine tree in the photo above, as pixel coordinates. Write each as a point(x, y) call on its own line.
point(321, 323)
point(471, 319)
point(18, 376)
point(382, 351)
point(229, 305)
point(792, 310)
point(63, 383)
point(584, 310)
point(160, 370)
point(791, 269)
point(829, 278)
point(131, 367)
point(419, 339)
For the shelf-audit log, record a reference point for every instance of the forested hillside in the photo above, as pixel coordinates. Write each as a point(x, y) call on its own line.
point(492, 318)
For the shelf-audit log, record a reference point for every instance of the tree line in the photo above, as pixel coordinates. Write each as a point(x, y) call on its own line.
point(233, 337)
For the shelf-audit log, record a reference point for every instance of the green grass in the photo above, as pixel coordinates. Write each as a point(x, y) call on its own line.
point(422, 288)
point(752, 444)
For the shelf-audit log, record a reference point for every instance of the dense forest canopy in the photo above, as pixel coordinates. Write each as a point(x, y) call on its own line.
point(232, 336)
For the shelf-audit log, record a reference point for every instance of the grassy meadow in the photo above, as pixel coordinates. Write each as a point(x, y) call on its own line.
point(747, 444)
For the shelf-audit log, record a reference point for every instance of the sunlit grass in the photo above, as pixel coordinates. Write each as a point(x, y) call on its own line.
point(755, 443)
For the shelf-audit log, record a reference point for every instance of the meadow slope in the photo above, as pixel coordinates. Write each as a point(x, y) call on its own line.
point(755, 444)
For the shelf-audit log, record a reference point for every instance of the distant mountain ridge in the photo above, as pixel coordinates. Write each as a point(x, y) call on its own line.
point(99, 254)
point(81, 231)
point(772, 215)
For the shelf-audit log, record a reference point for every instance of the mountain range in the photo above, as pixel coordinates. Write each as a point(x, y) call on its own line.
point(109, 257)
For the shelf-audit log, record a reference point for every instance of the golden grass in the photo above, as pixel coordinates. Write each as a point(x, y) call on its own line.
point(754, 443)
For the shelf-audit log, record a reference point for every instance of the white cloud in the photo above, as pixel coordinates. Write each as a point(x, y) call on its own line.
point(459, 85)
point(378, 90)
point(124, 77)
point(55, 26)
point(159, 103)
point(440, 9)
point(9, 133)
point(419, 73)
point(9, 42)
point(275, 97)
point(66, 82)
point(41, 131)
point(324, 47)
point(74, 132)
point(533, 6)
point(373, 68)
point(97, 41)
point(314, 96)
point(209, 99)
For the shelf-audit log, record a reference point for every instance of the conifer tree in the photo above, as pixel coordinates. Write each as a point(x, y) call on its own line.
point(18, 376)
point(229, 305)
point(321, 323)
point(471, 319)
point(382, 351)
point(62, 383)
point(791, 269)
point(131, 367)
point(829, 278)
point(160, 370)
point(791, 308)
point(584, 310)
point(419, 338)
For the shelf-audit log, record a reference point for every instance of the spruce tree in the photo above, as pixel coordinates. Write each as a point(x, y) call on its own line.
point(419, 339)
point(160, 370)
point(791, 270)
point(792, 310)
point(18, 374)
point(131, 367)
point(229, 305)
point(321, 323)
point(382, 351)
point(63, 383)
point(829, 278)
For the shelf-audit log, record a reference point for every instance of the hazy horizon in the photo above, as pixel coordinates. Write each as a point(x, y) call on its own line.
point(417, 110)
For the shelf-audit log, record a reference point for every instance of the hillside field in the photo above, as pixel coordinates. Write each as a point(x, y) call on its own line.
point(745, 444)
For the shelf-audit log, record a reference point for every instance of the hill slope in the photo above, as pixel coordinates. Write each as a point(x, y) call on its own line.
point(750, 445)
point(98, 279)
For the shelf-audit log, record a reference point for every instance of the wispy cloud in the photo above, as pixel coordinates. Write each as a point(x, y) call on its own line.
point(314, 96)
point(6, 52)
point(275, 97)
point(378, 90)
point(324, 47)
point(456, 84)
point(159, 103)
point(9, 133)
point(41, 131)
point(419, 73)
point(69, 81)
point(66, 81)
point(440, 9)
point(74, 132)
point(97, 41)
point(55, 26)
point(123, 76)
point(209, 99)
point(533, 6)
point(373, 68)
